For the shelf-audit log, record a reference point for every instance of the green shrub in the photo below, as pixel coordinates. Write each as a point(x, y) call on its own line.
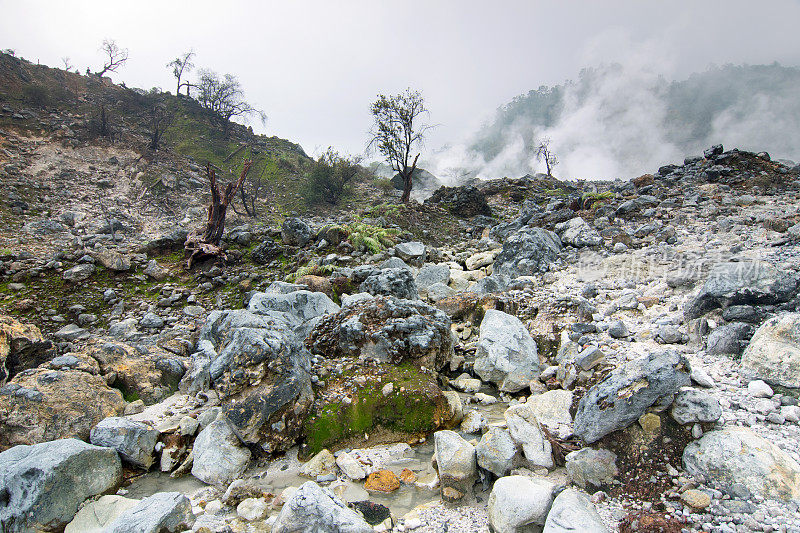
point(330, 177)
point(36, 95)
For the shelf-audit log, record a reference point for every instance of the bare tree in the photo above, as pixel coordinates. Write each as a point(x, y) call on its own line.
point(224, 97)
point(543, 153)
point(116, 56)
point(182, 65)
point(160, 119)
point(67, 63)
point(207, 244)
point(396, 131)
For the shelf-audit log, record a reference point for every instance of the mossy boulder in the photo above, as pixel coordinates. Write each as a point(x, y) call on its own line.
point(361, 402)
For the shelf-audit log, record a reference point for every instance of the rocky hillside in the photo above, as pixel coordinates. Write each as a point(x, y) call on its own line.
point(515, 354)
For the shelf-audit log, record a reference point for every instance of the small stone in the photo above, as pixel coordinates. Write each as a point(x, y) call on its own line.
point(408, 477)
point(759, 389)
point(650, 422)
point(252, 509)
point(696, 498)
point(382, 481)
point(387, 389)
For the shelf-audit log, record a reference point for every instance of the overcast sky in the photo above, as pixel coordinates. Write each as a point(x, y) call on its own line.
point(314, 66)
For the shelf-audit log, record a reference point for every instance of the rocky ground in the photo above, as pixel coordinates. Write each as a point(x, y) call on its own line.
point(517, 354)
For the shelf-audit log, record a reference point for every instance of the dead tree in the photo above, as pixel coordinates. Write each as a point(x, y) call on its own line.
point(116, 57)
point(543, 153)
point(200, 246)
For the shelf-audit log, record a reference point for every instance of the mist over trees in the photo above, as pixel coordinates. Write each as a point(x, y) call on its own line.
point(614, 121)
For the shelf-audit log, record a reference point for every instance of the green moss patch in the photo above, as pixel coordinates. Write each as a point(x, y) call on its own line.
point(415, 406)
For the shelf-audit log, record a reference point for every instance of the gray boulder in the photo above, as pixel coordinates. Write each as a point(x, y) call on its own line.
point(573, 512)
point(413, 253)
point(134, 441)
point(163, 512)
point(506, 353)
point(42, 485)
point(94, 516)
point(693, 405)
point(295, 232)
point(219, 457)
point(317, 510)
point(261, 370)
point(627, 393)
point(456, 463)
point(518, 502)
point(773, 354)
point(552, 411)
point(526, 252)
point(80, 272)
point(728, 339)
point(430, 274)
point(386, 329)
point(526, 432)
point(304, 307)
point(735, 458)
point(742, 283)
point(497, 452)
point(576, 232)
point(398, 282)
point(589, 467)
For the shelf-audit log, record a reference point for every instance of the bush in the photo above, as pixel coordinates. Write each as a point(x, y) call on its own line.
point(35, 95)
point(330, 177)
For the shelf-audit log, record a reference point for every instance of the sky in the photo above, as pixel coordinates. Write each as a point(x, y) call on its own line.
point(314, 66)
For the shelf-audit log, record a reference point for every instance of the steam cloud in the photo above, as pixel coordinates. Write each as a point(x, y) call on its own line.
point(623, 121)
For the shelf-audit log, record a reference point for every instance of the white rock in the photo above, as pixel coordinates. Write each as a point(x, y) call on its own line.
point(519, 501)
point(759, 389)
point(525, 430)
point(350, 466)
point(252, 509)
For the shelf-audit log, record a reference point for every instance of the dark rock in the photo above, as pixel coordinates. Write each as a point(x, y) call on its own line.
point(729, 339)
point(266, 252)
point(386, 329)
point(43, 485)
point(526, 252)
point(397, 282)
point(466, 201)
point(295, 232)
point(742, 283)
point(627, 393)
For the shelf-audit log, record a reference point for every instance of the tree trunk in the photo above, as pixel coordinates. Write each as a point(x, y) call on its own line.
point(408, 177)
point(207, 244)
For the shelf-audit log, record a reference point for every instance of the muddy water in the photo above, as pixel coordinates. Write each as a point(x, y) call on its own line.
point(283, 472)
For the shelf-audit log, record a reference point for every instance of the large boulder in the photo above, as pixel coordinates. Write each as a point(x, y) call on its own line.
point(693, 406)
point(465, 201)
point(773, 354)
point(42, 485)
point(627, 393)
point(742, 283)
point(312, 508)
point(528, 434)
point(729, 339)
point(386, 329)
point(734, 458)
point(219, 457)
point(497, 452)
point(94, 516)
point(403, 403)
point(163, 512)
point(519, 502)
point(147, 373)
point(576, 232)
point(397, 282)
point(456, 463)
point(42, 404)
point(526, 252)
point(432, 274)
point(506, 354)
point(134, 441)
point(295, 232)
point(552, 411)
point(572, 512)
point(261, 371)
point(21, 347)
point(302, 307)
